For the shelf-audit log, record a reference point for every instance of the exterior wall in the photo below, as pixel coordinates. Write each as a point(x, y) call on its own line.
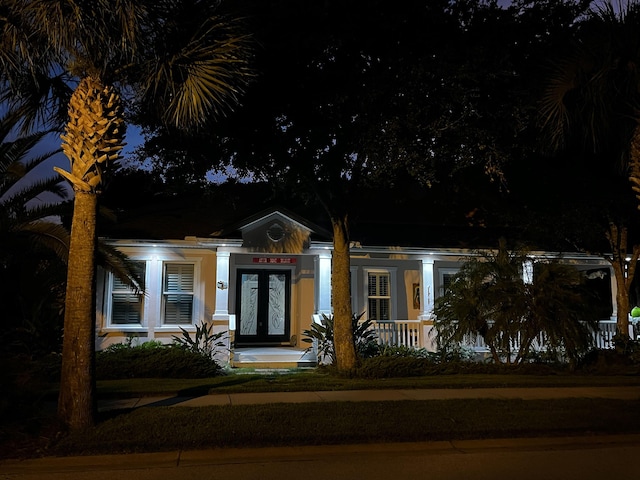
point(404, 274)
point(151, 327)
point(214, 300)
point(416, 280)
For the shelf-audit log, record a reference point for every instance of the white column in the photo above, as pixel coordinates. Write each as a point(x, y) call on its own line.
point(527, 272)
point(153, 315)
point(614, 294)
point(222, 286)
point(323, 282)
point(427, 289)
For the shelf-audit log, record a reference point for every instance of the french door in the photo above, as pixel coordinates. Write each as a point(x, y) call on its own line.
point(263, 306)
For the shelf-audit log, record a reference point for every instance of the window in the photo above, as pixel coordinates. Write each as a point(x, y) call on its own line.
point(126, 305)
point(446, 277)
point(178, 294)
point(379, 296)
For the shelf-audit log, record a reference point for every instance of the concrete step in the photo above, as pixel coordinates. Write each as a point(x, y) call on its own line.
point(276, 357)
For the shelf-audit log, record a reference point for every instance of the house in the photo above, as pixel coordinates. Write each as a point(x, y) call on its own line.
point(266, 279)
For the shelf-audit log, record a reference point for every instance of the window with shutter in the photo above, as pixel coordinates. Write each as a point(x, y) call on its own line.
point(379, 296)
point(178, 289)
point(126, 305)
point(446, 277)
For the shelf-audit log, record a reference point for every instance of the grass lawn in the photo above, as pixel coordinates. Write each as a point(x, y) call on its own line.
point(169, 428)
point(315, 380)
point(152, 429)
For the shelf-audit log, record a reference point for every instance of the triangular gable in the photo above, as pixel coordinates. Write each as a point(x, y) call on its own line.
point(276, 231)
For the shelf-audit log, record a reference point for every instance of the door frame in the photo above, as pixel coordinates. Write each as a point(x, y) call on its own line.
point(262, 338)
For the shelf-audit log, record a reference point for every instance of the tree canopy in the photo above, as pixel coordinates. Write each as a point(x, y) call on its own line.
point(87, 65)
point(350, 95)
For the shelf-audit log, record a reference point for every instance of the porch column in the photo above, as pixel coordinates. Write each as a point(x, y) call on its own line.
point(222, 286)
point(323, 283)
point(427, 289)
point(527, 271)
point(614, 295)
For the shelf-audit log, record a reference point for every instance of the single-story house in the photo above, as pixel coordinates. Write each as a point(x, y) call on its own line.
point(265, 280)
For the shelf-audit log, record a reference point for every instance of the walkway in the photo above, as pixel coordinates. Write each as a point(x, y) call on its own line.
point(625, 393)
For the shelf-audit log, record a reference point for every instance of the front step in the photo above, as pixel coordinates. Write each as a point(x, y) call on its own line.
point(272, 357)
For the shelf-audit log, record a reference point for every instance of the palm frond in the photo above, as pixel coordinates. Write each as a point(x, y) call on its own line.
point(125, 269)
point(39, 211)
point(205, 75)
point(591, 96)
point(21, 195)
point(50, 235)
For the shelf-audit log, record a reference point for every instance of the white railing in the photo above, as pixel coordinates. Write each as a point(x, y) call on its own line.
point(414, 334)
point(604, 336)
point(406, 333)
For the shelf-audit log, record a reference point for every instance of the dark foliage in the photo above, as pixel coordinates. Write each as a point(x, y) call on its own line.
point(613, 361)
point(365, 338)
point(157, 361)
point(393, 366)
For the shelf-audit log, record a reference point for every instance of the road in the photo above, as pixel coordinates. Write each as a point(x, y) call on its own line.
point(583, 458)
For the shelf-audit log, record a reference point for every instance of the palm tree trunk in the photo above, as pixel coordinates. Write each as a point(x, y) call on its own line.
point(92, 142)
point(634, 162)
point(624, 272)
point(76, 401)
point(346, 358)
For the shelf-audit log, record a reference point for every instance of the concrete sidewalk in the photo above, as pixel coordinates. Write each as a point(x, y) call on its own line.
point(624, 392)
point(179, 464)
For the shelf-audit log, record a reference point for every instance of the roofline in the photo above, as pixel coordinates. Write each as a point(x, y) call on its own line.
point(199, 242)
point(247, 222)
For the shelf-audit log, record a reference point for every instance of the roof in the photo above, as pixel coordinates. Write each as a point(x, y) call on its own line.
point(377, 220)
point(274, 211)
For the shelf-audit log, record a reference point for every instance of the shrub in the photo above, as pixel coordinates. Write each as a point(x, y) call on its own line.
point(402, 351)
point(205, 342)
point(366, 340)
point(153, 360)
point(385, 366)
point(610, 361)
point(488, 298)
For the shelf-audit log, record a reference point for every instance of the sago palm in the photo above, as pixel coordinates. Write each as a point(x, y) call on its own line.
point(100, 59)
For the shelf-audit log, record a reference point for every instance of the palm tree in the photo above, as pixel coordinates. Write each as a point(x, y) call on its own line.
point(489, 298)
point(33, 244)
point(25, 214)
point(592, 102)
point(98, 58)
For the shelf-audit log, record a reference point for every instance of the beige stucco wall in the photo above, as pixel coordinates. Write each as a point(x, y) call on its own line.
point(152, 328)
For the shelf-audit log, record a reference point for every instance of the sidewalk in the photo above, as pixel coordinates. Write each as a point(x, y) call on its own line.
point(208, 463)
point(624, 393)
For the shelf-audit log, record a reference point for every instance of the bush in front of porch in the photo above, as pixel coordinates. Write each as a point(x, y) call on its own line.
point(517, 317)
point(154, 360)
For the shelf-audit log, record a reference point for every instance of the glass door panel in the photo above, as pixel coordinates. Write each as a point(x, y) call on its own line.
point(249, 304)
point(277, 303)
point(262, 307)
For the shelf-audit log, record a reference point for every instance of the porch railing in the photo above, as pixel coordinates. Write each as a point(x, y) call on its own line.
point(416, 334)
point(404, 333)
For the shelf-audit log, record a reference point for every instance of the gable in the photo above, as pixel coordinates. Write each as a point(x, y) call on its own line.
point(275, 232)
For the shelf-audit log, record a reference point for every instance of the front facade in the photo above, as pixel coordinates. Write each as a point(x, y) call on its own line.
point(265, 289)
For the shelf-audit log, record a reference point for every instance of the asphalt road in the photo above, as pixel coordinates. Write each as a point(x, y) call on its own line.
point(584, 458)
